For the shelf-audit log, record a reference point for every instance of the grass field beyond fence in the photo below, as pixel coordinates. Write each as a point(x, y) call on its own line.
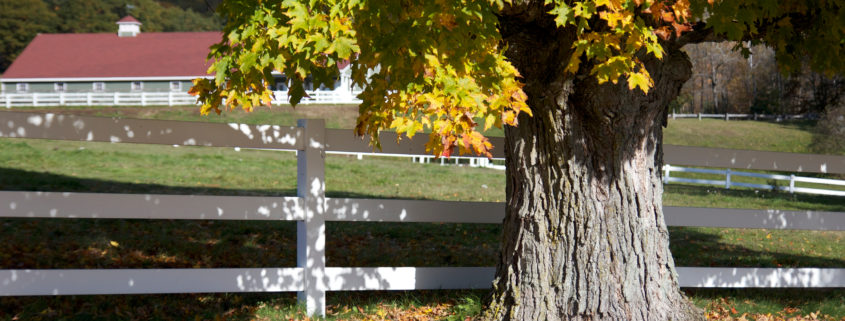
point(126, 168)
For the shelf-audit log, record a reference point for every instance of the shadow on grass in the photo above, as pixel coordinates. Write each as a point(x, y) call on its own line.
point(707, 247)
point(785, 302)
point(41, 243)
point(216, 306)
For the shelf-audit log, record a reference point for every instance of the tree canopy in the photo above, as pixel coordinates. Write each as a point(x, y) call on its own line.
point(439, 65)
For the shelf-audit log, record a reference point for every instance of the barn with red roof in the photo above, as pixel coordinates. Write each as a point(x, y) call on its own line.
point(126, 61)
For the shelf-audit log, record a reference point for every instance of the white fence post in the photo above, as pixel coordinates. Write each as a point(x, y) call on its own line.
point(728, 178)
point(35, 99)
point(143, 99)
point(310, 233)
point(170, 98)
point(8, 101)
point(791, 183)
point(88, 99)
point(116, 99)
point(667, 169)
point(61, 99)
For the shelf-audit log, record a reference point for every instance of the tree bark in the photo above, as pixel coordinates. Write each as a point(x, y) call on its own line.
point(584, 235)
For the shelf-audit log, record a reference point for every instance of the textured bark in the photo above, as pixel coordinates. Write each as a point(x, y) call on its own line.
point(584, 235)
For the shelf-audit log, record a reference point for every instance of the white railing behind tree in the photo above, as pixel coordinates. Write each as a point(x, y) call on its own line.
point(729, 116)
point(311, 278)
point(171, 98)
point(729, 182)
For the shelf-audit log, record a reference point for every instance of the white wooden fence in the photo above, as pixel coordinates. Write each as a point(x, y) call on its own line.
point(729, 116)
point(172, 98)
point(728, 182)
point(311, 278)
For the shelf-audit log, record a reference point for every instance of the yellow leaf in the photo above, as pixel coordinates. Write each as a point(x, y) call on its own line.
point(641, 80)
point(489, 121)
point(113, 243)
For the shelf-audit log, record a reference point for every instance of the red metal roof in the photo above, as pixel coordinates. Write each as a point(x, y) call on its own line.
point(105, 55)
point(129, 19)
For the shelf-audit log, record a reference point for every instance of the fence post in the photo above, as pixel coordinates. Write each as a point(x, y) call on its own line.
point(35, 99)
point(8, 101)
point(88, 98)
point(667, 171)
point(699, 116)
point(61, 98)
point(791, 183)
point(310, 233)
point(116, 99)
point(170, 98)
point(143, 99)
point(728, 178)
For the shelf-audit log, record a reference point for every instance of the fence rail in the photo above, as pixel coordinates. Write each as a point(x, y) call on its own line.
point(311, 278)
point(172, 98)
point(728, 182)
point(729, 116)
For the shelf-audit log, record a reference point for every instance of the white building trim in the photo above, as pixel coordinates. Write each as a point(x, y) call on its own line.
point(103, 79)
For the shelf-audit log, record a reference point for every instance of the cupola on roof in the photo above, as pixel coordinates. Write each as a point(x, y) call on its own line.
point(128, 27)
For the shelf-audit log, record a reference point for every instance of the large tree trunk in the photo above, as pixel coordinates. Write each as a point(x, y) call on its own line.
point(584, 235)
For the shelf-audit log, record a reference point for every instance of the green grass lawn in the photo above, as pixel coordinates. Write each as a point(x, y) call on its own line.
point(791, 136)
point(126, 168)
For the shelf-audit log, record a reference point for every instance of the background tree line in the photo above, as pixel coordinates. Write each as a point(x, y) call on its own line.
point(22, 20)
point(724, 81)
